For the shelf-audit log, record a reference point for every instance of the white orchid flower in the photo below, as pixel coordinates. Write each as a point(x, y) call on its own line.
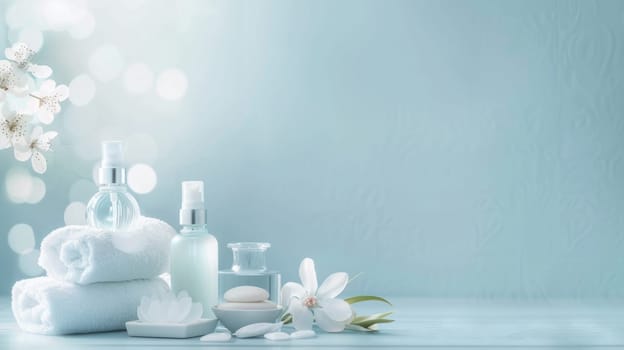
point(13, 126)
point(45, 103)
point(21, 54)
point(308, 302)
point(33, 147)
point(11, 81)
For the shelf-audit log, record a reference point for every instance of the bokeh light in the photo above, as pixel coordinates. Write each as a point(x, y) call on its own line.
point(106, 63)
point(83, 27)
point(81, 90)
point(21, 187)
point(21, 238)
point(60, 14)
point(31, 37)
point(81, 191)
point(12, 15)
point(37, 190)
point(138, 78)
point(171, 84)
point(75, 214)
point(28, 263)
point(142, 178)
point(18, 185)
point(141, 148)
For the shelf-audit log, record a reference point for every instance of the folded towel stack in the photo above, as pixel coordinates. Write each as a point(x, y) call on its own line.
point(95, 280)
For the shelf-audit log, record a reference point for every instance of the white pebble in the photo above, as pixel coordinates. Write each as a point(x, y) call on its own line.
point(246, 294)
point(303, 334)
point(258, 329)
point(263, 305)
point(277, 336)
point(216, 337)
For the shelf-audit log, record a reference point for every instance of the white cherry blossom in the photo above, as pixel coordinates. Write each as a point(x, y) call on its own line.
point(307, 302)
point(33, 148)
point(10, 80)
point(45, 103)
point(13, 126)
point(20, 54)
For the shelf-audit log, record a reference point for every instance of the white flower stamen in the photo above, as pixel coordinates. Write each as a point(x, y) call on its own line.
point(310, 301)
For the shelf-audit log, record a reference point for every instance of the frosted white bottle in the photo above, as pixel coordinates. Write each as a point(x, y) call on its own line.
point(195, 252)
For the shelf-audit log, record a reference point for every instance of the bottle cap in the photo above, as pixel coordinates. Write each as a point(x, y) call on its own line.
point(111, 170)
point(193, 211)
point(112, 154)
point(193, 195)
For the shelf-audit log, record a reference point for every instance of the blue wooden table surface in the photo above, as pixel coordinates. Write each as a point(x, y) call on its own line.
point(422, 323)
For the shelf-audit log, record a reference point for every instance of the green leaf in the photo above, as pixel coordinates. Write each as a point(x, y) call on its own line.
point(369, 323)
point(360, 328)
point(361, 298)
point(287, 318)
point(359, 319)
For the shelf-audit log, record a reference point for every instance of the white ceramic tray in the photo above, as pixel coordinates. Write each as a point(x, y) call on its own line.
point(165, 330)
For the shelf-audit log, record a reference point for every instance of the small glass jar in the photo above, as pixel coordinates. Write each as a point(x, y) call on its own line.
point(249, 269)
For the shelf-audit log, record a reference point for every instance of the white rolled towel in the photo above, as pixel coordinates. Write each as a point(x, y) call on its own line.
point(47, 306)
point(84, 255)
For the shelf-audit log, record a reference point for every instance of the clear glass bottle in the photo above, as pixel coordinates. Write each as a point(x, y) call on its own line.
point(249, 269)
point(195, 252)
point(112, 207)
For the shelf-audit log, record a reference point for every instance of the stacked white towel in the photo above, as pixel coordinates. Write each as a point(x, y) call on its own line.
point(48, 306)
point(96, 278)
point(84, 255)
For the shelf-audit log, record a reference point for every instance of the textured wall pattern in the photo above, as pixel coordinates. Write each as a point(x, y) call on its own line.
point(443, 148)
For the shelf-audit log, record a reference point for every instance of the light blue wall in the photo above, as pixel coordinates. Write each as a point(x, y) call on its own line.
point(442, 148)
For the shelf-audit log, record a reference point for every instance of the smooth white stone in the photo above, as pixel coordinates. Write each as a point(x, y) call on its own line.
point(277, 336)
point(246, 294)
point(217, 337)
point(258, 329)
point(263, 305)
point(303, 334)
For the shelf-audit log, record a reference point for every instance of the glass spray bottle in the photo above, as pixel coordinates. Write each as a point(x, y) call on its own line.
point(112, 207)
point(195, 252)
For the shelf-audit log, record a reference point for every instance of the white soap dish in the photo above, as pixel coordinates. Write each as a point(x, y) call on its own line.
point(171, 330)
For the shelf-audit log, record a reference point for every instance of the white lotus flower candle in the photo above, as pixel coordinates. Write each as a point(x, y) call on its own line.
point(169, 308)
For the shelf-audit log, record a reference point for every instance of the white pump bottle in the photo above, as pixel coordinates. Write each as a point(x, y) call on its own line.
point(195, 252)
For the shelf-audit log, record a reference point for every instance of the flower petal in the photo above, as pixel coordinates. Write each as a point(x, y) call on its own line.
point(179, 310)
point(307, 274)
point(326, 323)
point(47, 87)
point(39, 163)
point(195, 313)
point(2, 95)
point(40, 71)
point(301, 315)
point(62, 93)
point(32, 105)
point(9, 52)
point(22, 152)
point(292, 290)
point(336, 309)
point(45, 116)
point(4, 142)
point(19, 90)
point(333, 285)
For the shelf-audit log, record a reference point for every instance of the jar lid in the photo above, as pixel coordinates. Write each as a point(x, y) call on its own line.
point(249, 245)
